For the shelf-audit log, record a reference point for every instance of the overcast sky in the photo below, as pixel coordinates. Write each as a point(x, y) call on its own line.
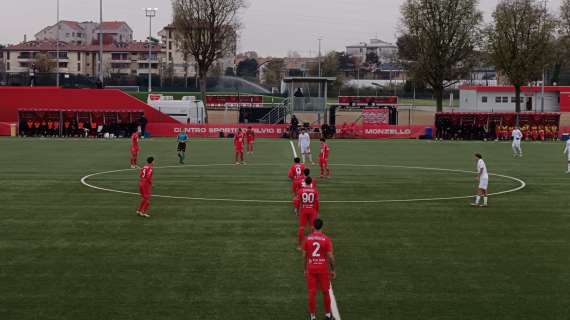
point(271, 27)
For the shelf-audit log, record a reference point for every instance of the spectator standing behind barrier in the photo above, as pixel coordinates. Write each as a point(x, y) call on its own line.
point(143, 122)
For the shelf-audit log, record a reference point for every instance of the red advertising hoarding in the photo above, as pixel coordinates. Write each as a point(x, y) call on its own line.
point(219, 101)
point(376, 116)
point(278, 131)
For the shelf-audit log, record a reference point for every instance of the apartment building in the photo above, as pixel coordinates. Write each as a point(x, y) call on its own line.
point(81, 59)
point(174, 56)
point(385, 51)
point(84, 33)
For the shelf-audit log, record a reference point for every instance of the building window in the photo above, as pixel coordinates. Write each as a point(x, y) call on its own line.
point(79, 56)
point(170, 33)
point(67, 35)
point(497, 99)
point(79, 67)
point(170, 56)
point(484, 99)
point(7, 65)
point(505, 99)
point(119, 56)
point(7, 55)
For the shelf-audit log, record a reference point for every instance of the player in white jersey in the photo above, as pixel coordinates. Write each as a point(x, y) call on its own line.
point(305, 145)
point(517, 138)
point(567, 152)
point(483, 178)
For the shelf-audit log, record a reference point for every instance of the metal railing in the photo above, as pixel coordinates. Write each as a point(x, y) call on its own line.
point(277, 114)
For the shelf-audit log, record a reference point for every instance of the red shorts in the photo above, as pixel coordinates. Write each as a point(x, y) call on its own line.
point(318, 281)
point(324, 162)
point(145, 190)
point(307, 216)
point(134, 152)
point(239, 149)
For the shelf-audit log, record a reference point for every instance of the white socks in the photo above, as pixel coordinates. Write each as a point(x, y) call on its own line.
point(569, 167)
point(485, 201)
point(477, 199)
point(303, 157)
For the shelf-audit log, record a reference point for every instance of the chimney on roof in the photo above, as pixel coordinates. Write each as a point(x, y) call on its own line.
point(25, 38)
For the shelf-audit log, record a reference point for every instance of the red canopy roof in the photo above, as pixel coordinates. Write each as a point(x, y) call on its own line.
point(14, 99)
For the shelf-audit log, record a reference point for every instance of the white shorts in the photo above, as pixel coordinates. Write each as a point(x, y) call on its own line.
point(305, 149)
point(516, 143)
point(483, 183)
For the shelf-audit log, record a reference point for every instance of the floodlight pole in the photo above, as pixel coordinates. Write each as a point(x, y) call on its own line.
point(320, 40)
point(100, 71)
point(150, 13)
point(542, 91)
point(57, 48)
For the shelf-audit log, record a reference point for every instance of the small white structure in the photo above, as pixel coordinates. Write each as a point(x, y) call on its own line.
point(186, 111)
point(502, 99)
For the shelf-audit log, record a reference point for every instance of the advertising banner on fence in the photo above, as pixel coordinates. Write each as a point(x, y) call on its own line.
point(213, 131)
point(278, 131)
point(381, 132)
point(376, 116)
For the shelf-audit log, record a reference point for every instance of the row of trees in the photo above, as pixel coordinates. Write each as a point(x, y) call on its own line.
point(443, 40)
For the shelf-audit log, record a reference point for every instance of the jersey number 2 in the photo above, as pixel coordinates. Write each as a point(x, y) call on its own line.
point(316, 252)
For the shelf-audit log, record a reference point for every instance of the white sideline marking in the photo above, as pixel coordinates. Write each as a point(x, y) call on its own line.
point(293, 148)
point(520, 187)
point(334, 305)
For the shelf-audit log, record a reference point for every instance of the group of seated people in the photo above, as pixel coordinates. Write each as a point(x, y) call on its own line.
point(73, 128)
point(530, 132)
point(469, 131)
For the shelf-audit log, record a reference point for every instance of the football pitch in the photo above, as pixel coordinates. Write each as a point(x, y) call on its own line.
point(221, 240)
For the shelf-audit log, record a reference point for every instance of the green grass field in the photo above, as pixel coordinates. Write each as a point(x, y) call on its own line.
point(71, 252)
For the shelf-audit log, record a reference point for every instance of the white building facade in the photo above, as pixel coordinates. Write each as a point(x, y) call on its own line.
point(385, 51)
point(502, 99)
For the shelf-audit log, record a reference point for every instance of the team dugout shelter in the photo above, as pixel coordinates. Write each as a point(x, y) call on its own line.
point(536, 126)
point(53, 111)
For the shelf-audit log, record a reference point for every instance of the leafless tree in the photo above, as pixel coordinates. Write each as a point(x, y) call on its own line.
point(519, 41)
point(444, 35)
point(207, 29)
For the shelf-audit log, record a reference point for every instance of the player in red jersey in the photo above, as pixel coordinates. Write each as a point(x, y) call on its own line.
point(296, 172)
point(299, 182)
point(307, 207)
point(134, 149)
point(324, 159)
point(319, 263)
point(145, 187)
point(238, 146)
point(249, 139)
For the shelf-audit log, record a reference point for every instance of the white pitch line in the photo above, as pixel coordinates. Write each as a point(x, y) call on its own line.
point(520, 187)
point(334, 305)
point(293, 148)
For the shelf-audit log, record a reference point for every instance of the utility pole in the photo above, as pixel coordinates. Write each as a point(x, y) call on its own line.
point(57, 48)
